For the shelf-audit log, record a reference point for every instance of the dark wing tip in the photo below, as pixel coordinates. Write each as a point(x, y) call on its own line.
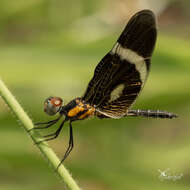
point(146, 11)
point(147, 17)
point(140, 33)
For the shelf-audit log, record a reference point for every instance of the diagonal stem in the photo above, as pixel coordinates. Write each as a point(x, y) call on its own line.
point(44, 148)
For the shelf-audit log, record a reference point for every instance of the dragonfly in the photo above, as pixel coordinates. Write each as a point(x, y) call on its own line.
point(117, 81)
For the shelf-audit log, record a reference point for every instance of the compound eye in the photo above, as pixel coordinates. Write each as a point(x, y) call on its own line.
point(52, 105)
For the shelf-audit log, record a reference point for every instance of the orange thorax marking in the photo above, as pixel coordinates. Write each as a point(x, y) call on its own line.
point(80, 107)
point(87, 113)
point(75, 111)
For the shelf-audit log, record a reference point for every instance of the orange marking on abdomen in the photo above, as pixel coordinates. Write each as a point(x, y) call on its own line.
point(73, 112)
point(87, 113)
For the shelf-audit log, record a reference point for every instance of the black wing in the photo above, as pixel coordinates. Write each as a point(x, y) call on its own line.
point(121, 74)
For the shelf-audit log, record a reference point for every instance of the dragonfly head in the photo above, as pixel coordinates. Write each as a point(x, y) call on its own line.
point(52, 105)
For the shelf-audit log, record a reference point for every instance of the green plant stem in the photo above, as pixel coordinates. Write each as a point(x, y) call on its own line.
point(44, 148)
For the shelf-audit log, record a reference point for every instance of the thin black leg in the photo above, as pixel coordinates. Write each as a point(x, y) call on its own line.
point(70, 147)
point(44, 123)
point(53, 135)
point(151, 113)
point(47, 124)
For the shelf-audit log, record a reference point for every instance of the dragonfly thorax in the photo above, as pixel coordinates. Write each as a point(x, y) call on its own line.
point(77, 109)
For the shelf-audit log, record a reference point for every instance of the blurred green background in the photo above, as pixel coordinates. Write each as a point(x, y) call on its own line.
point(51, 48)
